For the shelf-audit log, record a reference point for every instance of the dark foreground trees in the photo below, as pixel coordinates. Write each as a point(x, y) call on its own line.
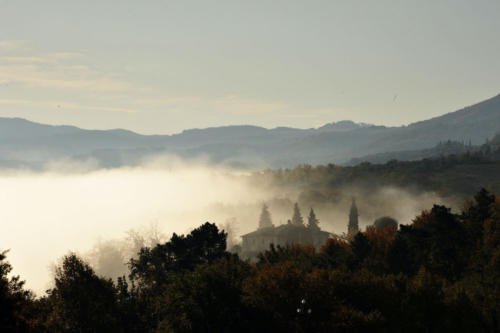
point(440, 273)
point(14, 300)
point(81, 301)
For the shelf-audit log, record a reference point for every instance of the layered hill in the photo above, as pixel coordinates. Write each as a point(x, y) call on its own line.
point(24, 143)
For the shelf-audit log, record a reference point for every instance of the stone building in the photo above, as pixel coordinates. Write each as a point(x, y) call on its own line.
point(286, 234)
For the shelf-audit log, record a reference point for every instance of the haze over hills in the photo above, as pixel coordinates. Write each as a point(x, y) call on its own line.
point(28, 144)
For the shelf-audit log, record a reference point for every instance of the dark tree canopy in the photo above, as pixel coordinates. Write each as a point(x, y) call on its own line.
point(13, 299)
point(361, 246)
point(203, 245)
point(208, 299)
point(82, 301)
point(435, 240)
point(437, 273)
point(477, 212)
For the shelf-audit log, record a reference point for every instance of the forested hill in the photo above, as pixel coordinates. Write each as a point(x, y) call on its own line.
point(28, 144)
point(458, 176)
point(440, 150)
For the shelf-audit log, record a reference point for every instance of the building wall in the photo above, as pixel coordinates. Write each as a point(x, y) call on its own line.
point(253, 244)
point(257, 243)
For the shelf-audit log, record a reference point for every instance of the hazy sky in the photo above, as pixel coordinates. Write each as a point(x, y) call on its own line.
point(163, 66)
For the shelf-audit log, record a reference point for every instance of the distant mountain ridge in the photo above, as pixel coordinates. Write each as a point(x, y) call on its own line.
point(343, 125)
point(29, 144)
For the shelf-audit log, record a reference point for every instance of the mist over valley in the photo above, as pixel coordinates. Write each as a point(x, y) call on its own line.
point(67, 189)
point(249, 166)
point(62, 209)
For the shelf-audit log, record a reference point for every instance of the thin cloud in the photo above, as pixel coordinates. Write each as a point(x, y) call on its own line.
point(54, 70)
point(7, 101)
point(231, 104)
point(168, 100)
point(11, 45)
point(24, 60)
point(99, 108)
point(335, 114)
point(64, 105)
point(237, 105)
point(51, 58)
point(300, 116)
point(65, 55)
point(37, 76)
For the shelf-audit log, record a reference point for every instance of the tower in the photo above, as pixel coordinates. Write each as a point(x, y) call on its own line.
point(353, 226)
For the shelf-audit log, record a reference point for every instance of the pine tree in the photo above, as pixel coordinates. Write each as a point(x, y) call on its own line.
point(313, 222)
point(265, 218)
point(297, 216)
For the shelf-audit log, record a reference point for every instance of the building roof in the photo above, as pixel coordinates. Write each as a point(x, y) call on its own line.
point(283, 229)
point(261, 232)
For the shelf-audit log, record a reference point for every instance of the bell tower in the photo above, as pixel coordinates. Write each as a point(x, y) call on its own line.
point(353, 226)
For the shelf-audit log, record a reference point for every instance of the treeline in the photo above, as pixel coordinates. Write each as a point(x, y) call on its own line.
point(447, 175)
point(441, 273)
point(489, 150)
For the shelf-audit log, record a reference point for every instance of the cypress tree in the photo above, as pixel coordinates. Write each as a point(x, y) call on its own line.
point(297, 216)
point(265, 218)
point(312, 221)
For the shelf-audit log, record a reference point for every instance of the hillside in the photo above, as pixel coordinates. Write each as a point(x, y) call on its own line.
point(455, 177)
point(441, 149)
point(24, 143)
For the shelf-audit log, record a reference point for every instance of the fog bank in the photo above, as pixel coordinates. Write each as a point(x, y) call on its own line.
point(44, 215)
point(106, 214)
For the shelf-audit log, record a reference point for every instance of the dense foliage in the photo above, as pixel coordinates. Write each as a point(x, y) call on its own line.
point(440, 273)
point(448, 175)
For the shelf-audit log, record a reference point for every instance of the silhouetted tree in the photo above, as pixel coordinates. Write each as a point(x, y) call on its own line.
point(436, 240)
point(265, 218)
point(361, 247)
point(337, 252)
point(476, 213)
point(427, 276)
point(203, 245)
point(136, 309)
point(483, 282)
point(14, 300)
point(297, 216)
point(312, 221)
point(400, 257)
point(208, 299)
point(303, 255)
point(81, 301)
point(275, 291)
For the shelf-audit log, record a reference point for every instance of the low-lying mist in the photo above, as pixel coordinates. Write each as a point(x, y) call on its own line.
point(106, 215)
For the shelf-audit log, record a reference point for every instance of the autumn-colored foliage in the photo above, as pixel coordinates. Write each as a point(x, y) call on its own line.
point(381, 239)
point(438, 273)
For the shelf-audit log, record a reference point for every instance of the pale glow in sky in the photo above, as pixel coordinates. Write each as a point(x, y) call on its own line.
point(164, 66)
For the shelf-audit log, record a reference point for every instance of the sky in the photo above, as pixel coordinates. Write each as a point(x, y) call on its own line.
point(158, 67)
